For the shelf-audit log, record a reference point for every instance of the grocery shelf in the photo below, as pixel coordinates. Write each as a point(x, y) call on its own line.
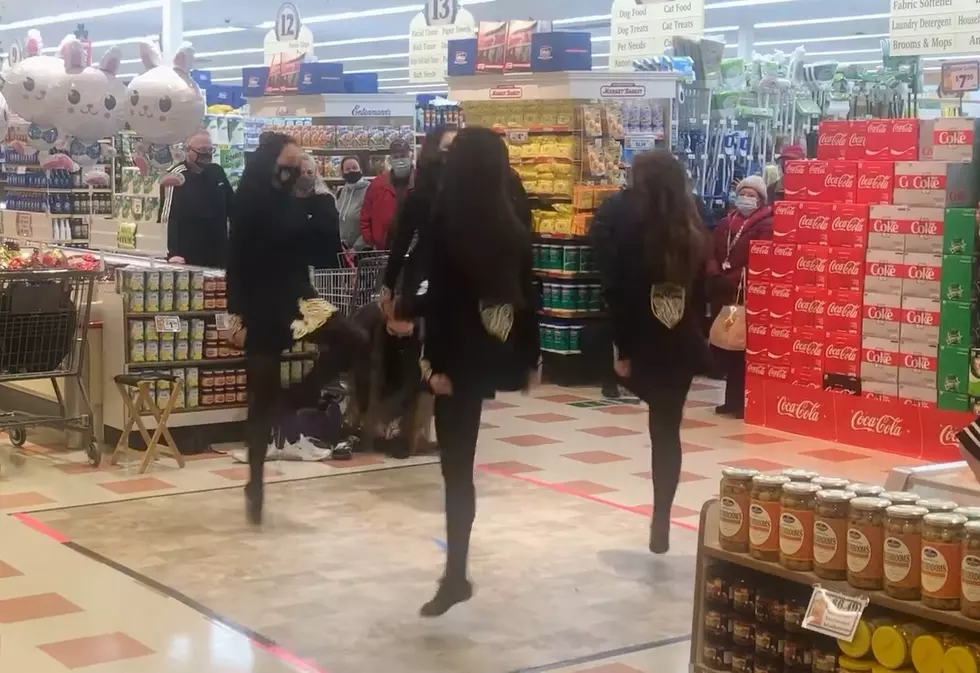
point(179, 314)
point(346, 150)
point(211, 407)
point(177, 364)
point(561, 237)
point(59, 190)
point(710, 548)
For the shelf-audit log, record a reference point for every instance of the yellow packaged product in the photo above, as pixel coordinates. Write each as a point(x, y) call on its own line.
point(536, 221)
point(549, 148)
point(962, 659)
point(564, 148)
point(563, 224)
point(892, 645)
point(850, 664)
point(562, 186)
point(929, 652)
point(860, 646)
point(564, 114)
point(547, 222)
point(547, 114)
point(515, 116)
point(532, 114)
point(532, 148)
point(545, 185)
point(878, 668)
point(583, 197)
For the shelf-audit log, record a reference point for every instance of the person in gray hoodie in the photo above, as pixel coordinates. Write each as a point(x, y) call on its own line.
point(350, 198)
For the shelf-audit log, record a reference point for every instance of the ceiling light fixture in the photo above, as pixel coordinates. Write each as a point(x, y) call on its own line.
point(85, 14)
point(814, 22)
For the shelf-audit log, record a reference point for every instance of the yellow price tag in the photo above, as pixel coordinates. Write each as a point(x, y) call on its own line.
point(126, 236)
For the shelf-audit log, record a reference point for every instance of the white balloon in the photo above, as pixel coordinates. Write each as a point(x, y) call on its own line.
point(4, 117)
point(164, 104)
point(27, 88)
point(88, 103)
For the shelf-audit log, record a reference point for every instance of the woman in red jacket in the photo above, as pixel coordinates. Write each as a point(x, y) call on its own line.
point(750, 220)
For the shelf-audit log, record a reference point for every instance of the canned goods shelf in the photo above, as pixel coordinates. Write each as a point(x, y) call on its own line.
point(210, 407)
point(179, 314)
point(168, 364)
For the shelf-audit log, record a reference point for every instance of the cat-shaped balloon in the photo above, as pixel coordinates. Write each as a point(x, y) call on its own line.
point(88, 106)
point(27, 85)
point(165, 107)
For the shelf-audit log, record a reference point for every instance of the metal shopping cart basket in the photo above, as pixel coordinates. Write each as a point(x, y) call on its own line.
point(44, 317)
point(356, 284)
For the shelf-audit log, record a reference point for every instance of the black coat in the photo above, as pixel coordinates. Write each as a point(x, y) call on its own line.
point(196, 215)
point(654, 350)
point(321, 210)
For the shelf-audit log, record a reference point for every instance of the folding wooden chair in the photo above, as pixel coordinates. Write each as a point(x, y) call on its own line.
point(135, 391)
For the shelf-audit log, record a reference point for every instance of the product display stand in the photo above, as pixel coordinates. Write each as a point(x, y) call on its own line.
point(951, 481)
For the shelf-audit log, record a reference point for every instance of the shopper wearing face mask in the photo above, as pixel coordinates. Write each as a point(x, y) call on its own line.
point(750, 220)
point(196, 213)
point(274, 240)
point(385, 195)
point(321, 213)
point(350, 200)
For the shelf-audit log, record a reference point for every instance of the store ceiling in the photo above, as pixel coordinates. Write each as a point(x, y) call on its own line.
point(850, 30)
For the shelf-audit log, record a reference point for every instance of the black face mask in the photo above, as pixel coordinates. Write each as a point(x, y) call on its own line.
point(202, 158)
point(287, 176)
point(353, 176)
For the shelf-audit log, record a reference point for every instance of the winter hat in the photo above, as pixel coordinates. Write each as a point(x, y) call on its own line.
point(756, 184)
point(792, 152)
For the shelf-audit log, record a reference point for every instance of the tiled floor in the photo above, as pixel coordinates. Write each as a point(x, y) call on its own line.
point(109, 571)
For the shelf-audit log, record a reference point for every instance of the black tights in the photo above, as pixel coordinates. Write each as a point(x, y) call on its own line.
point(341, 343)
point(457, 429)
point(666, 410)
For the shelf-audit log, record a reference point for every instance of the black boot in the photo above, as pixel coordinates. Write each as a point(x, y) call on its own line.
point(254, 496)
point(725, 409)
point(450, 593)
point(660, 536)
point(610, 391)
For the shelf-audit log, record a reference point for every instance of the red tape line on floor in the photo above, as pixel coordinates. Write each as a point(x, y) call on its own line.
point(559, 488)
point(40, 527)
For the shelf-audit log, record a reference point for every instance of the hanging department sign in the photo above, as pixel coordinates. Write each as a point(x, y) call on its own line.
point(430, 33)
point(927, 27)
point(286, 46)
point(641, 30)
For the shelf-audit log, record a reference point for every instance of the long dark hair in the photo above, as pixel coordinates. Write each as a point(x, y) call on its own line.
point(660, 198)
point(255, 199)
point(486, 239)
point(428, 167)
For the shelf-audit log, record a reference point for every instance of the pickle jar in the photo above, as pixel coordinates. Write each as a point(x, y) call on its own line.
point(866, 490)
point(743, 661)
point(797, 506)
point(717, 655)
point(733, 520)
point(718, 587)
point(929, 651)
point(942, 552)
point(769, 606)
point(865, 533)
point(830, 534)
point(971, 513)
point(743, 631)
point(743, 597)
point(797, 474)
point(902, 551)
point(892, 645)
point(937, 505)
point(970, 571)
point(769, 641)
point(797, 653)
point(764, 510)
point(717, 625)
point(831, 483)
point(901, 497)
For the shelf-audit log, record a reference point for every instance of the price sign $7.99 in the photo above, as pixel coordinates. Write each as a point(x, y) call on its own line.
point(441, 12)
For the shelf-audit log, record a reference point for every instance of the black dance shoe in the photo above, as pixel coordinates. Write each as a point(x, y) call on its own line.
point(449, 594)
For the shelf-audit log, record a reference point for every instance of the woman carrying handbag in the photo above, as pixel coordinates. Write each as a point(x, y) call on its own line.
point(750, 220)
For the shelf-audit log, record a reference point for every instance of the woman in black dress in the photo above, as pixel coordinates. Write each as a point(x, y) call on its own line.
point(481, 330)
point(651, 249)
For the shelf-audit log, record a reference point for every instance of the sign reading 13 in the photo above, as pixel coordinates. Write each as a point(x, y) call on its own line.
point(287, 22)
point(441, 12)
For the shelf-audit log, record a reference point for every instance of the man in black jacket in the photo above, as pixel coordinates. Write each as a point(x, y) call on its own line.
point(196, 213)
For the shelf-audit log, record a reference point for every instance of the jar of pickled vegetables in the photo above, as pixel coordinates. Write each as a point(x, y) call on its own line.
point(865, 533)
point(824, 655)
point(970, 571)
point(942, 556)
point(971, 513)
point(901, 497)
point(937, 505)
point(902, 551)
point(717, 625)
point(733, 510)
point(797, 474)
point(831, 483)
point(866, 490)
point(764, 509)
point(797, 506)
point(830, 534)
point(769, 641)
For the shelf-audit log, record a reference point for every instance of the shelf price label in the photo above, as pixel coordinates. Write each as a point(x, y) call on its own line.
point(960, 76)
point(833, 613)
point(169, 324)
point(25, 225)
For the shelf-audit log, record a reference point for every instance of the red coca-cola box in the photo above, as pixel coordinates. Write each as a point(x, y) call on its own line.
point(844, 312)
point(811, 265)
point(845, 269)
point(782, 262)
point(807, 377)
point(757, 302)
point(903, 139)
point(831, 181)
point(785, 220)
point(875, 133)
point(780, 344)
point(833, 139)
point(778, 372)
point(842, 354)
point(759, 260)
point(807, 348)
point(848, 226)
point(813, 225)
point(809, 306)
point(756, 343)
point(875, 182)
point(781, 296)
point(795, 180)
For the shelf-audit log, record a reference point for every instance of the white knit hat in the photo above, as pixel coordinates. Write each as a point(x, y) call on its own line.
point(756, 184)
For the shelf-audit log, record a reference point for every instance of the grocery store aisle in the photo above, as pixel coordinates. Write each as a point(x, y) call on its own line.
point(170, 577)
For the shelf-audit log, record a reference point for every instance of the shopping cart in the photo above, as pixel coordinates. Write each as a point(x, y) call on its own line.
point(356, 284)
point(44, 317)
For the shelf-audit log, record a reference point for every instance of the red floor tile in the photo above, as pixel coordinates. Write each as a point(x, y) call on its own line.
point(586, 487)
point(755, 464)
point(687, 447)
point(694, 424)
point(241, 473)
point(596, 457)
point(38, 606)
point(610, 668)
point(624, 410)
point(562, 398)
point(492, 405)
point(644, 475)
point(23, 499)
point(610, 431)
point(85, 468)
point(529, 440)
point(676, 512)
point(756, 438)
point(141, 485)
point(547, 418)
point(93, 650)
point(7, 570)
point(833, 455)
point(511, 467)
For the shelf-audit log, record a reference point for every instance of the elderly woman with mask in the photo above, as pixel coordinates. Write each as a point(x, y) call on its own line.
point(750, 220)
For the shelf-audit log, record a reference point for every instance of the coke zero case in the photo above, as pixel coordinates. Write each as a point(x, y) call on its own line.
point(949, 139)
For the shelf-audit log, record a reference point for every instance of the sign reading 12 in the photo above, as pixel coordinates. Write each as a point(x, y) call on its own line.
point(287, 22)
point(441, 12)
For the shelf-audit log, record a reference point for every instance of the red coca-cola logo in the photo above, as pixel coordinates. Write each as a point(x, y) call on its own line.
point(954, 138)
point(804, 410)
point(818, 168)
point(926, 228)
point(884, 226)
point(849, 310)
point(815, 264)
point(795, 168)
point(834, 139)
point(880, 425)
point(779, 373)
point(782, 291)
point(845, 268)
point(848, 224)
point(817, 222)
point(885, 313)
point(874, 181)
point(923, 273)
point(846, 353)
point(755, 369)
point(813, 348)
point(904, 127)
point(757, 329)
point(916, 362)
point(785, 208)
point(783, 250)
point(779, 332)
point(757, 289)
point(857, 140)
point(920, 182)
point(924, 318)
point(947, 436)
point(882, 270)
point(816, 306)
point(877, 127)
point(884, 358)
point(840, 181)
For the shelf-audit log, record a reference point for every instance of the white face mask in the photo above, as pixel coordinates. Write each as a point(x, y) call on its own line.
point(746, 204)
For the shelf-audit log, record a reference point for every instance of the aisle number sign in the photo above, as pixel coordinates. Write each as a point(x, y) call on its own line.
point(641, 30)
point(960, 77)
point(934, 27)
point(286, 46)
point(429, 36)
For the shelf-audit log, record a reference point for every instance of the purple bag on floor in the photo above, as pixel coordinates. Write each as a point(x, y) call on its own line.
point(320, 424)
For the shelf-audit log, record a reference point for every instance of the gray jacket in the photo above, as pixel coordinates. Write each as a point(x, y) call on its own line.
point(350, 198)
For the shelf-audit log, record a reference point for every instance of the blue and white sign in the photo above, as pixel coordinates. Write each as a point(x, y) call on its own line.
point(428, 43)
